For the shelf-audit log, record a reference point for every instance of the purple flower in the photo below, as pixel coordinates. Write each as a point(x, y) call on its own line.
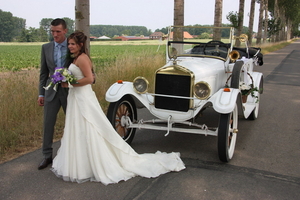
point(61, 75)
point(57, 77)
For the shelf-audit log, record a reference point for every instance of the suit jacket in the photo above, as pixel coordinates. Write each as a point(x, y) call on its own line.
point(47, 69)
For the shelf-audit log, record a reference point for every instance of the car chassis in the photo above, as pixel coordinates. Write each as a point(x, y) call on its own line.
point(197, 75)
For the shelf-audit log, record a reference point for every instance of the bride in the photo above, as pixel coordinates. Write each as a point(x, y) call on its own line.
point(91, 149)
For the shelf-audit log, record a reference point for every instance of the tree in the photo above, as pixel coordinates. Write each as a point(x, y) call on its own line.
point(70, 25)
point(284, 18)
point(233, 18)
point(82, 19)
point(251, 19)
point(33, 35)
point(218, 19)
point(204, 36)
point(10, 26)
point(178, 19)
point(45, 23)
point(240, 21)
point(265, 22)
point(260, 22)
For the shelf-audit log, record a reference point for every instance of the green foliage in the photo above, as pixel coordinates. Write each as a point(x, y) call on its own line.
point(204, 36)
point(112, 30)
point(45, 24)
point(163, 30)
point(273, 27)
point(33, 35)
point(233, 18)
point(10, 26)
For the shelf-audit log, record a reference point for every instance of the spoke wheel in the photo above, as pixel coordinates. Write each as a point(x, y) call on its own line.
point(118, 114)
point(227, 133)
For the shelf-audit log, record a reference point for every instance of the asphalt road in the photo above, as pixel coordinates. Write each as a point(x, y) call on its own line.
point(266, 163)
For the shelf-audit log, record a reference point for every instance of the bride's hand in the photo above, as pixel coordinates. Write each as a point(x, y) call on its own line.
point(64, 85)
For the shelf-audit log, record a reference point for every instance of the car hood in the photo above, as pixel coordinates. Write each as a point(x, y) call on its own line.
point(202, 67)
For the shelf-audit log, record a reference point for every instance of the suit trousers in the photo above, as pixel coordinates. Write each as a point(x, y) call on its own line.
point(51, 109)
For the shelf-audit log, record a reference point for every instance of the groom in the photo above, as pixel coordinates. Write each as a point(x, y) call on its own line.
point(53, 55)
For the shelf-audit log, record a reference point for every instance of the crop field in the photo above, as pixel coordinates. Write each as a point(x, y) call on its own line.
point(20, 56)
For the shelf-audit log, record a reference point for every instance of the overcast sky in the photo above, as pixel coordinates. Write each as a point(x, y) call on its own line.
point(153, 14)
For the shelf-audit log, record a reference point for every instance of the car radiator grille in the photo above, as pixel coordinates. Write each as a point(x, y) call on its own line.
point(175, 85)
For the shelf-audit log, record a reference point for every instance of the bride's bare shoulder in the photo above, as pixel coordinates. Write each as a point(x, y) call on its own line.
point(83, 60)
point(83, 56)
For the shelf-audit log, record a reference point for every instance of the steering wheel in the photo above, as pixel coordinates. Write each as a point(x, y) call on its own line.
point(216, 51)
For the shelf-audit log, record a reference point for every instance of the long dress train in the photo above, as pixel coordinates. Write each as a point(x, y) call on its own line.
point(91, 149)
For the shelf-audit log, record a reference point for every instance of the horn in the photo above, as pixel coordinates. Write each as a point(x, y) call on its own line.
point(234, 55)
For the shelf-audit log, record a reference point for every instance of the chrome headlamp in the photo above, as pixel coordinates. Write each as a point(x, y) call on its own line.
point(202, 90)
point(140, 85)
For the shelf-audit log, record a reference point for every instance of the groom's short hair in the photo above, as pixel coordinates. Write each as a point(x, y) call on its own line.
point(59, 21)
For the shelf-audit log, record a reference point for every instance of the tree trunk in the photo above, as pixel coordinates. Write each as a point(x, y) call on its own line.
point(82, 19)
point(240, 21)
point(277, 19)
point(282, 32)
point(266, 22)
point(178, 19)
point(252, 10)
point(218, 19)
point(289, 30)
point(260, 22)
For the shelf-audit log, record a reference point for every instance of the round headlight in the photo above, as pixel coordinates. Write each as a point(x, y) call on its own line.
point(140, 85)
point(202, 90)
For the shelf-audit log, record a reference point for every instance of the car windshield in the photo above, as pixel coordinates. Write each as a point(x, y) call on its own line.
point(199, 42)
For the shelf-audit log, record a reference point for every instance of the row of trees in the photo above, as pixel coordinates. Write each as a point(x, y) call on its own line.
point(278, 19)
point(202, 32)
point(116, 30)
point(14, 29)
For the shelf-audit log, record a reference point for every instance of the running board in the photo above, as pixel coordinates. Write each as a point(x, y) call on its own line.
point(196, 128)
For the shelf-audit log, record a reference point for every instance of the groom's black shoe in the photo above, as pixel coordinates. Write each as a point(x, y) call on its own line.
point(45, 163)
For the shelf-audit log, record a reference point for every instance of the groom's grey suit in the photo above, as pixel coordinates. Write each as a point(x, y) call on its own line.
point(52, 100)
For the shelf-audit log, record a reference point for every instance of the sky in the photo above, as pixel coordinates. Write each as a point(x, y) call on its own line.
point(153, 14)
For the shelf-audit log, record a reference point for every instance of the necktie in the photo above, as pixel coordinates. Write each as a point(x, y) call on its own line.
point(58, 63)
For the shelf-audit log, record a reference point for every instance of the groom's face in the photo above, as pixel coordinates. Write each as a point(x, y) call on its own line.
point(58, 33)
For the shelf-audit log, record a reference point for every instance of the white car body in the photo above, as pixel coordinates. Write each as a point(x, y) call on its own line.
point(177, 99)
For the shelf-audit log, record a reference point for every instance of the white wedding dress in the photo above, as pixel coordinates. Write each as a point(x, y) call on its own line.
point(91, 149)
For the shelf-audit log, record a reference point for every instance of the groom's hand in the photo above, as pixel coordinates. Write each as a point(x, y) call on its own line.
point(41, 101)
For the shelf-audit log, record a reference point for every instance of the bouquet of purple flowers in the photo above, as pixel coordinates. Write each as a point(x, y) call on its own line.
point(61, 74)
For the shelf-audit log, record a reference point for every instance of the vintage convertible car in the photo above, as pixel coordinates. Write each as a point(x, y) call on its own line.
point(197, 75)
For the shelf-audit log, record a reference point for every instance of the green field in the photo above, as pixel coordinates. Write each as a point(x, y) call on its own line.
point(20, 56)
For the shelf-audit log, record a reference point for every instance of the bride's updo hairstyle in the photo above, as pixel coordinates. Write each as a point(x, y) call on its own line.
point(79, 38)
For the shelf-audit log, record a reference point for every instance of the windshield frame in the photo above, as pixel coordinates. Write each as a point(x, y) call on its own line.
point(218, 49)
